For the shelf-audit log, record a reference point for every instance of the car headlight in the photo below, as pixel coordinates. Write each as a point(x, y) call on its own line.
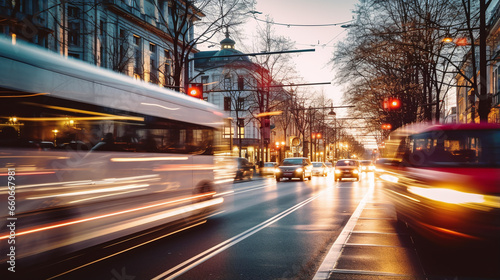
point(299, 170)
point(355, 171)
point(337, 171)
point(447, 195)
point(364, 167)
point(277, 170)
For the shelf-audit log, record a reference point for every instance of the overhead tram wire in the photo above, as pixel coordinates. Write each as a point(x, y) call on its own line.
point(302, 25)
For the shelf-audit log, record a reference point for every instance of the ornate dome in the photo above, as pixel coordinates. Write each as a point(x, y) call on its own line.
point(227, 48)
point(227, 43)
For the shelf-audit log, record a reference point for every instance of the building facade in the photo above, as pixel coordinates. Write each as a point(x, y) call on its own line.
point(467, 99)
point(128, 36)
point(237, 85)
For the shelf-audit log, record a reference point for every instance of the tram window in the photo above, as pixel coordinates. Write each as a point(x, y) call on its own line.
point(454, 148)
point(48, 123)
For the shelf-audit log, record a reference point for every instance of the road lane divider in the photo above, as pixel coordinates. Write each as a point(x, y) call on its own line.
point(207, 254)
point(335, 251)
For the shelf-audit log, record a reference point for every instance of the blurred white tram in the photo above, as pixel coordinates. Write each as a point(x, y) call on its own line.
point(95, 155)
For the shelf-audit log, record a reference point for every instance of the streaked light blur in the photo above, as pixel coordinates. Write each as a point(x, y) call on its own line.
point(447, 195)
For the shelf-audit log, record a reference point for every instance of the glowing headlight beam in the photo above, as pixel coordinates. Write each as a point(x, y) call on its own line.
point(121, 188)
point(63, 224)
point(161, 106)
point(147, 159)
point(389, 178)
point(447, 195)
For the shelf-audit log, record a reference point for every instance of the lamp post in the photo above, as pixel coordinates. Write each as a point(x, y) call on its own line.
point(334, 115)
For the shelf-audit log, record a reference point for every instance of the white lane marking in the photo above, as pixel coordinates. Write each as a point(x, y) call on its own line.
point(368, 272)
point(328, 264)
point(253, 188)
point(125, 250)
point(202, 257)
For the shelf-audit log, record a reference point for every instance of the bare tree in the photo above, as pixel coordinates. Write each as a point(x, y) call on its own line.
point(188, 23)
point(395, 49)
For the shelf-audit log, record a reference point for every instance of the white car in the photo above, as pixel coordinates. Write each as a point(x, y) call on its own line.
point(319, 169)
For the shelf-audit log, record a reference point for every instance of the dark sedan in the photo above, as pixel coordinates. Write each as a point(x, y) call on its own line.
point(298, 167)
point(347, 169)
point(244, 169)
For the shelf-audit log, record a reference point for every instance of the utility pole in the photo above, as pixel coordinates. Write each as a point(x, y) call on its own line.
point(484, 100)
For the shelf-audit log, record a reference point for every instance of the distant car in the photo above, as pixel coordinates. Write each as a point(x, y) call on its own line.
point(268, 168)
point(367, 166)
point(329, 166)
point(347, 168)
point(244, 169)
point(444, 182)
point(319, 169)
point(297, 167)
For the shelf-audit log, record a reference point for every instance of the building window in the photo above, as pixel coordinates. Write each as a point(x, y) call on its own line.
point(101, 56)
point(496, 87)
point(228, 132)
point(227, 82)
point(241, 127)
point(137, 40)
point(73, 26)
point(101, 27)
point(138, 64)
point(152, 48)
point(74, 34)
point(241, 83)
point(227, 103)
point(240, 104)
point(168, 63)
point(204, 82)
point(73, 12)
point(152, 72)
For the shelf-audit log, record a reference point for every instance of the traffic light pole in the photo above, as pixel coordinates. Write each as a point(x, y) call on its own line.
point(187, 80)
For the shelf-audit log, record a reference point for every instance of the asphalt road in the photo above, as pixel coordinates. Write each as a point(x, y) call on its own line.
point(318, 229)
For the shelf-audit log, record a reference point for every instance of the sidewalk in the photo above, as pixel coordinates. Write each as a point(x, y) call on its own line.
point(377, 247)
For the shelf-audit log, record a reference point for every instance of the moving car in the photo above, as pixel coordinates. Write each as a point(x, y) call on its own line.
point(296, 167)
point(244, 169)
point(380, 166)
point(329, 165)
point(367, 166)
point(444, 181)
point(319, 169)
point(268, 168)
point(347, 168)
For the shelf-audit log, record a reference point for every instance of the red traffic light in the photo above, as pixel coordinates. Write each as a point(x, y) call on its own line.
point(391, 104)
point(196, 90)
point(316, 135)
point(395, 104)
